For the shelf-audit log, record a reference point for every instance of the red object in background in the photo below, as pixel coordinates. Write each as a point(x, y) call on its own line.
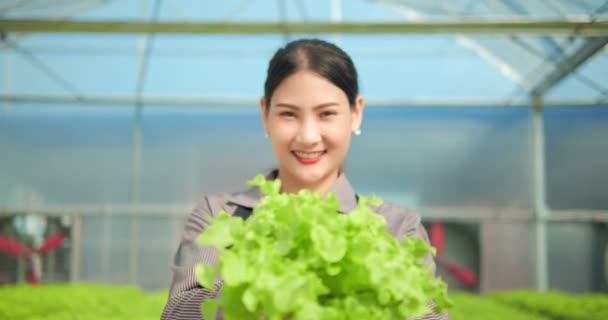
point(13, 247)
point(32, 277)
point(464, 275)
point(461, 273)
point(51, 242)
point(437, 232)
point(16, 249)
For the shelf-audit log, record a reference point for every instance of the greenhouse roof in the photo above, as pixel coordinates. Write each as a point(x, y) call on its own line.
point(460, 52)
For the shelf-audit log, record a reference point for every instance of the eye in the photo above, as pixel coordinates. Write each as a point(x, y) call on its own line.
point(287, 114)
point(326, 114)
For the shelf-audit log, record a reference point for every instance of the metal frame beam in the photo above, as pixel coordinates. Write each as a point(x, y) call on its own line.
point(519, 44)
point(209, 101)
point(569, 64)
point(470, 43)
point(444, 213)
point(82, 6)
point(44, 68)
point(582, 27)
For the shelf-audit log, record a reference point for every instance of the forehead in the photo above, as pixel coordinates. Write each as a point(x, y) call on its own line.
point(305, 88)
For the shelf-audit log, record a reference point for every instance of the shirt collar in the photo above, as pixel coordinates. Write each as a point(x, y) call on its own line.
point(343, 190)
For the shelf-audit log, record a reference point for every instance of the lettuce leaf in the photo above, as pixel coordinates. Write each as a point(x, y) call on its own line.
point(298, 256)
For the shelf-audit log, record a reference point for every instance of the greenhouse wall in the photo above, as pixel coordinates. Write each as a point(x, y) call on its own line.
point(465, 165)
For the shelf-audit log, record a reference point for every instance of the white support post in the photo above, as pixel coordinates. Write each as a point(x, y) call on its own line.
point(106, 244)
point(539, 183)
point(75, 256)
point(134, 227)
point(137, 146)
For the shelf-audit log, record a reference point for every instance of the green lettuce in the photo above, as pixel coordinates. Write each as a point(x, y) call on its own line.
point(297, 256)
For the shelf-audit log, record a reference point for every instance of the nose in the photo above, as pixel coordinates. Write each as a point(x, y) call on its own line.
point(309, 132)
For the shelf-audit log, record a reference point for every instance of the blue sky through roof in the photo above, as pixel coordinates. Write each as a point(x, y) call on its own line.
point(391, 66)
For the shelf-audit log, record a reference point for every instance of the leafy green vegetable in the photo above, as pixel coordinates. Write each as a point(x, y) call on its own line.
point(298, 256)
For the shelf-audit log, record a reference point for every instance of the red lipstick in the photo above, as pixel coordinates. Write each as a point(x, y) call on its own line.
point(308, 161)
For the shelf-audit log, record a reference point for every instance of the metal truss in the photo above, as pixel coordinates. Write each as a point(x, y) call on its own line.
point(580, 27)
point(217, 101)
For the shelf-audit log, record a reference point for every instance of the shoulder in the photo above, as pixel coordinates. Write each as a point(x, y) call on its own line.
point(207, 207)
point(400, 221)
point(214, 203)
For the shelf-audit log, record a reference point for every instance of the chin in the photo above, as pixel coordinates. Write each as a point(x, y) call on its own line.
point(310, 176)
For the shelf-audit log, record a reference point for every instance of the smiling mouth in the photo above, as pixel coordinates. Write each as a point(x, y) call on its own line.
point(308, 157)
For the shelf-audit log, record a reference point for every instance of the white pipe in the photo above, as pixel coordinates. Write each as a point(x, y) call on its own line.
point(540, 205)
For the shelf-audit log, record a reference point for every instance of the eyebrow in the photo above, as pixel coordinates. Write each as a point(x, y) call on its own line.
point(321, 106)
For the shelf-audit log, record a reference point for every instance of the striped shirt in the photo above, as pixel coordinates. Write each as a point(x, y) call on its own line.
point(186, 295)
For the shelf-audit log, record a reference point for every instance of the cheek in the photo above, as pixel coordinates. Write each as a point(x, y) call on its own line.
point(339, 135)
point(281, 133)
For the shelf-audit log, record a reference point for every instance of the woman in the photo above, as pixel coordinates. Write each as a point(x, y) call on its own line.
point(310, 109)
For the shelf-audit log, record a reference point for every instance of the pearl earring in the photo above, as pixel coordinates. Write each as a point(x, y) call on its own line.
point(266, 134)
point(357, 132)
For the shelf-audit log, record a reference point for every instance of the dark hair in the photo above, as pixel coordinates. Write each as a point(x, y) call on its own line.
point(321, 57)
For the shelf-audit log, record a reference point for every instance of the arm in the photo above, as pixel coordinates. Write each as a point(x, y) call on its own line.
point(418, 231)
point(186, 295)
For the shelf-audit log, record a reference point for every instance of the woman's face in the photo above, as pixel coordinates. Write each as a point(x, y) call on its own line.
point(310, 123)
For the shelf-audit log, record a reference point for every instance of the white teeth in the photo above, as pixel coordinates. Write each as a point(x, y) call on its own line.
point(308, 155)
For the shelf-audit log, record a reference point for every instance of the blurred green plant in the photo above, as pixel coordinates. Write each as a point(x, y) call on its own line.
point(79, 301)
point(469, 306)
point(95, 301)
point(558, 305)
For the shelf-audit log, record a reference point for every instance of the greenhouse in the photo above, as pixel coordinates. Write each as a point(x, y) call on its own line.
point(488, 118)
